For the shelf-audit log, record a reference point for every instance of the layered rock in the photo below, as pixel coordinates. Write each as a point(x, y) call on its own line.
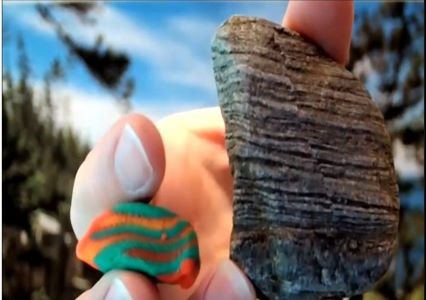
point(315, 195)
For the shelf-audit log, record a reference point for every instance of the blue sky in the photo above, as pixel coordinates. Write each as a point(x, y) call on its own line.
point(168, 42)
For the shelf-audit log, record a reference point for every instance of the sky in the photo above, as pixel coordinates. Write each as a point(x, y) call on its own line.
point(168, 43)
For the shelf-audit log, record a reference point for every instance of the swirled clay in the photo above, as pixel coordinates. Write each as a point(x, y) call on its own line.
point(145, 238)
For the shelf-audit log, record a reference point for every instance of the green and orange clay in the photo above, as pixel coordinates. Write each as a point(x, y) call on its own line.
point(144, 238)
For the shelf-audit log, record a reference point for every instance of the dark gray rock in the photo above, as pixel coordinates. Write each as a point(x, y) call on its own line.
point(315, 195)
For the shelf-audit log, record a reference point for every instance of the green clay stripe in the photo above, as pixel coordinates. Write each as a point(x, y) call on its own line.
point(144, 231)
point(142, 210)
point(114, 258)
point(150, 246)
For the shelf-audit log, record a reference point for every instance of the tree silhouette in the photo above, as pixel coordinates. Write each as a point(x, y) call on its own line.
point(387, 53)
point(391, 39)
point(106, 65)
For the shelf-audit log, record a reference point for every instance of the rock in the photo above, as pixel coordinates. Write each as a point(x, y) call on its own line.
point(315, 195)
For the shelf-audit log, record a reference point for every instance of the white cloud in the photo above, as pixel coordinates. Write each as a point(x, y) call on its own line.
point(91, 114)
point(175, 60)
point(192, 28)
point(32, 20)
point(406, 164)
point(179, 50)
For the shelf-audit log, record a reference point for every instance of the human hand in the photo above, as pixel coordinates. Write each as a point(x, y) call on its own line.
point(129, 163)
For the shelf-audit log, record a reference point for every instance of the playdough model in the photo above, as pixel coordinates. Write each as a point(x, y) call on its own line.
point(315, 195)
point(145, 238)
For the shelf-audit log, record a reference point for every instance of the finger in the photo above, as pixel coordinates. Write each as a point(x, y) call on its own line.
point(327, 23)
point(204, 130)
point(208, 126)
point(228, 282)
point(126, 164)
point(204, 122)
point(121, 285)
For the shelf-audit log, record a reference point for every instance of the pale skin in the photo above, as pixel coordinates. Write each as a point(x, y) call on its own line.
point(191, 175)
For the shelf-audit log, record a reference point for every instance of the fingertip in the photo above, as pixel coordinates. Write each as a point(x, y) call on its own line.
point(127, 163)
point(123, 285)
point(137, 286)
point(327, 23)
point(139, 136)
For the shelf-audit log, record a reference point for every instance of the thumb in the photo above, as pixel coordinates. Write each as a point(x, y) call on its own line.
point(327, 23)
point(122, 285)
point(228, 282)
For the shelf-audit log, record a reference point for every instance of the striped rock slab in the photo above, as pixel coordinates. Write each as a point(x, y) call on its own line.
point(145, 238)
point(315, 195)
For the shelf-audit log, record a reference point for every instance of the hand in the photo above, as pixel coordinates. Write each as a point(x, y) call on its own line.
point(186, 170)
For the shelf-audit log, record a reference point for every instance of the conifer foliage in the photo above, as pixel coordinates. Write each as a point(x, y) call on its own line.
point(387, 53)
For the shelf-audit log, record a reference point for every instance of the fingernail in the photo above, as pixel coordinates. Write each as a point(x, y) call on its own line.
point(118, 291)
point(132, 166)
point(229, 282)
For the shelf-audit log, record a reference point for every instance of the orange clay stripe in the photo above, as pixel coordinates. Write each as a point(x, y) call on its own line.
point(111, 219)
point(186, 274)
point(160, 256)
point(87, 248)
point(190, 269)
point(145, 239)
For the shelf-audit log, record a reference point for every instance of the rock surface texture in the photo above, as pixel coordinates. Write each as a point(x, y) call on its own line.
point(315, 195)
